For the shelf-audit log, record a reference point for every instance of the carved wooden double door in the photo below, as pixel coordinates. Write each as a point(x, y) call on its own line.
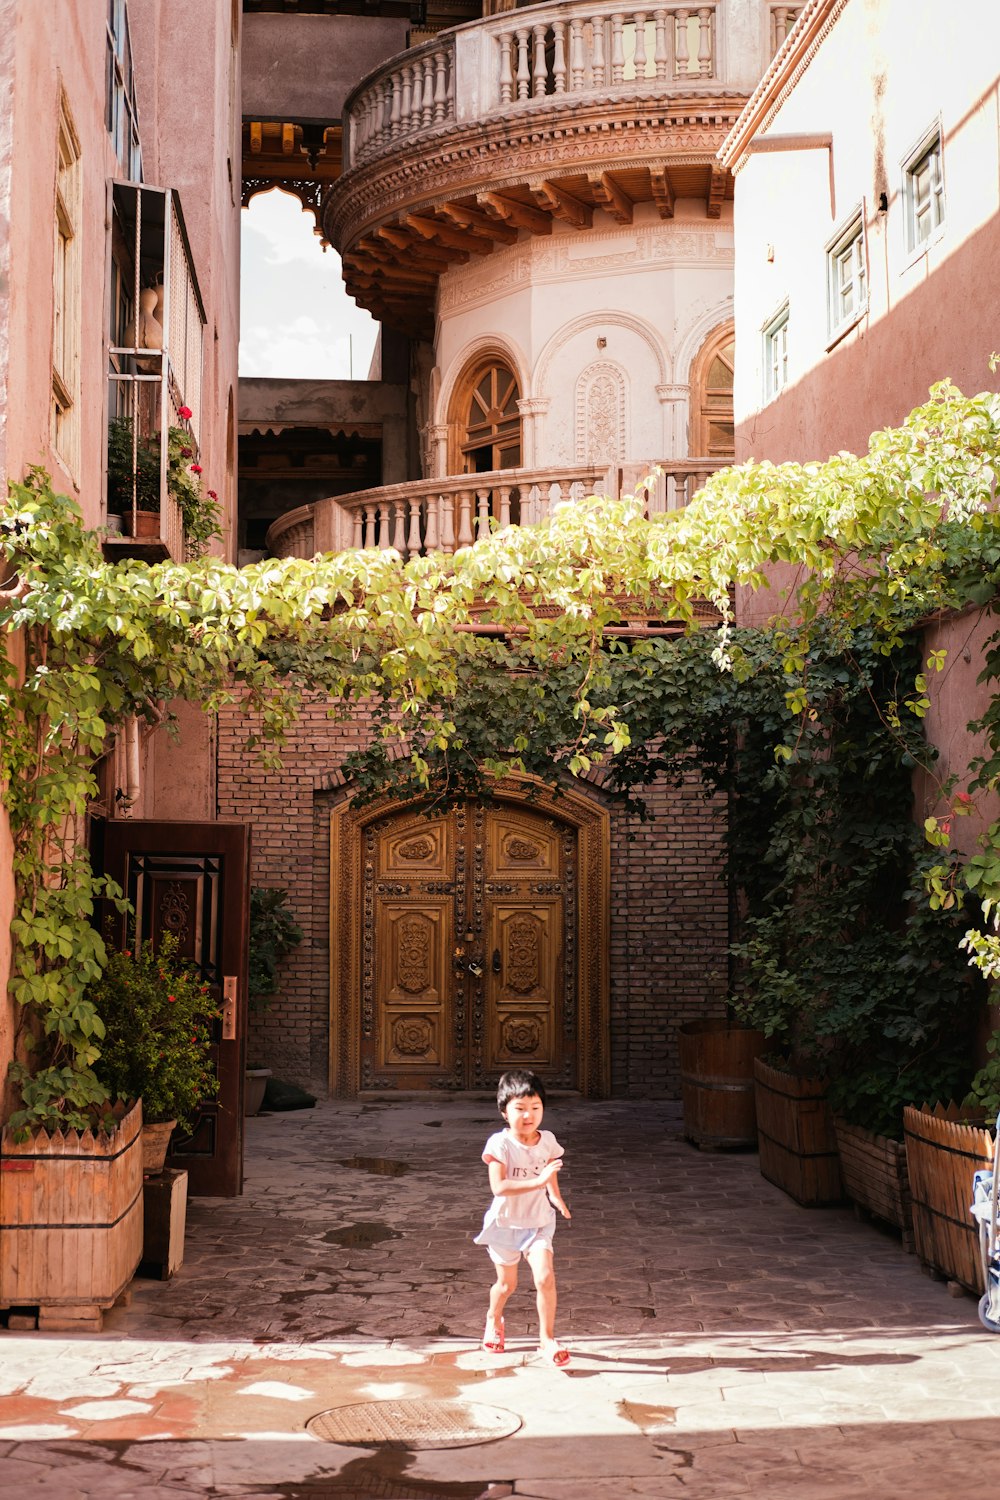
point(469, 948)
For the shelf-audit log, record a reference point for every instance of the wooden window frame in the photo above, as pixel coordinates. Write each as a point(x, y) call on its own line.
point(461, 445)
point(776, 371)
point(67, 291)
point(702, 414)
point(924, 218)
point(848, 249)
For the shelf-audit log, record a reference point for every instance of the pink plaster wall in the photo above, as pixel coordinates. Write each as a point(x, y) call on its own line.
point(884, 76)
point(187, 67)
point(7, 8)
point(186, 61)
point(50, 52)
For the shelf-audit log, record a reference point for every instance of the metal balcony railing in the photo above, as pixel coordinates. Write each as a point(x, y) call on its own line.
point(155, 363)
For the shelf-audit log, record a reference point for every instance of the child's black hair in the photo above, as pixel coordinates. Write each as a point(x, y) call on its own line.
point(518, 1084)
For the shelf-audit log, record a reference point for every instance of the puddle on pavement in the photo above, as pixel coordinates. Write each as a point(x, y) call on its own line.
point(379, 1166)
point(647, 1418)
point(360, 1236)
point(383, 1475)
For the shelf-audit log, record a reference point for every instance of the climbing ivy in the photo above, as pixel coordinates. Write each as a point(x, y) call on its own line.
point(493, 660)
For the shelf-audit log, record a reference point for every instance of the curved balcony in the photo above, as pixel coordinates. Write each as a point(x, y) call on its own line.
point(553, 112)
point(441, 515)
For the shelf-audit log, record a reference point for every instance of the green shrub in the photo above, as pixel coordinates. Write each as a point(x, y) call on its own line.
point(157, 1045)
point(273, 934)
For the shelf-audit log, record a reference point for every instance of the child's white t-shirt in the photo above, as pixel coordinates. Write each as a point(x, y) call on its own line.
point(521, 1162)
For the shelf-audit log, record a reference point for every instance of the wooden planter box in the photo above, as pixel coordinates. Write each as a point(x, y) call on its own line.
point(717, 1085)
point(70, 1221)
point(164, 1219)
point(798, 1149)
point(875, 1178)
point(942, 1152)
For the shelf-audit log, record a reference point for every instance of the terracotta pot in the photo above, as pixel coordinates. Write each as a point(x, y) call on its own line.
point(142, 523)
point(155, 1140)
point(256, 1084)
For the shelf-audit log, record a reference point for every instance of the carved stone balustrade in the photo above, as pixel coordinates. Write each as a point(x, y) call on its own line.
point(441, 515)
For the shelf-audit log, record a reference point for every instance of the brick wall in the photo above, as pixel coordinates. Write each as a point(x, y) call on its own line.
point(669, 908)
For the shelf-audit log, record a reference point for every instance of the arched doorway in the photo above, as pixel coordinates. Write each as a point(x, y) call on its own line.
point(469, 942)
point(486, 419)
point(712, 430)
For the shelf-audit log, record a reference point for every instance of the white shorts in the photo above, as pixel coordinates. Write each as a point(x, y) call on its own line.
point(507, 1243)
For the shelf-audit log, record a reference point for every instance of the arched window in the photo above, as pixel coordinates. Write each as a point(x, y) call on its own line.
point(489, 423)
point(712, 396)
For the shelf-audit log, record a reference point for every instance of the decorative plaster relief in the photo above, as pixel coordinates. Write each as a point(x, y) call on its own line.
point(600, 414)
point(576, 256)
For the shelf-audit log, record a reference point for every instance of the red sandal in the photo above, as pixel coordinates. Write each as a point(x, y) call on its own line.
point(495, 1344)
point(559, 1357)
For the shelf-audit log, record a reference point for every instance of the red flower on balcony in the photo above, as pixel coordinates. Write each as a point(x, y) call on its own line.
point(212, 495)
point(196, 468)
point(185, 413)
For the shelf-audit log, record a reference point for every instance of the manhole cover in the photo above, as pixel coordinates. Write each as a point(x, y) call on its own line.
point(413, 1424)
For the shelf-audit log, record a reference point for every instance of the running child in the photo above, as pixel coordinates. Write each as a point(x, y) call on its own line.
point(524, 1163)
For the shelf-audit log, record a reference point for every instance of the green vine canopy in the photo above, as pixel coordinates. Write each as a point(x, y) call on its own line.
point(873, 545)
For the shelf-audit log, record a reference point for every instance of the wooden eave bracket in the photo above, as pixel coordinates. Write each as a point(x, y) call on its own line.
point(612, 198)
point(448, 236)
point(480, 223)
point(716, 192)
point(563, 205)
point(514, 212)
point(663, 192)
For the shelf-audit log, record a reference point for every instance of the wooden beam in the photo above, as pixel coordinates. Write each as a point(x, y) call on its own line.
point(513, 212)
point(398, 238)
point(447, 234)
point(563, 205)
point(663, 192)
point(717, 192)
point(393, 277)
point(470, 218)
point(612, 198)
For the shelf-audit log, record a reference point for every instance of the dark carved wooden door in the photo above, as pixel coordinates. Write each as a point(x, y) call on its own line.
point(470, 924)
point(191, 879)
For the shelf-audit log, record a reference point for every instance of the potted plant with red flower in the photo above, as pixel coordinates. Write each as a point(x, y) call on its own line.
point(157, 1016)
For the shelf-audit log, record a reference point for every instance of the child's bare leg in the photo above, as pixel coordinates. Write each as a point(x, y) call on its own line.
point(543, 1270)
point(501, 1291)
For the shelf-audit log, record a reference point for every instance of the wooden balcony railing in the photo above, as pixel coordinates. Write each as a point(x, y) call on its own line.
point(442, 515)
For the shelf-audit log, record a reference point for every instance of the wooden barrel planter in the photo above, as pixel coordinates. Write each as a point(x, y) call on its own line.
point(71, 1221)
point(943, 1150)
point(717, 1086)
point(873, 1169)
point(798, 1149)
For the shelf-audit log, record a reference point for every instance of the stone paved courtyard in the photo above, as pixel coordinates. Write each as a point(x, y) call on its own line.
point(725, 1341)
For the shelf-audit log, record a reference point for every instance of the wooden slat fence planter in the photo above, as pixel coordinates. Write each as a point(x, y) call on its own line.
point(875, 1178)
point(798, 1149)
point(717, 1086)
point(71, 1221)
point(943, 1150)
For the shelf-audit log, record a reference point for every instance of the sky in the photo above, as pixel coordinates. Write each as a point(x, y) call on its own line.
point(296, 319)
